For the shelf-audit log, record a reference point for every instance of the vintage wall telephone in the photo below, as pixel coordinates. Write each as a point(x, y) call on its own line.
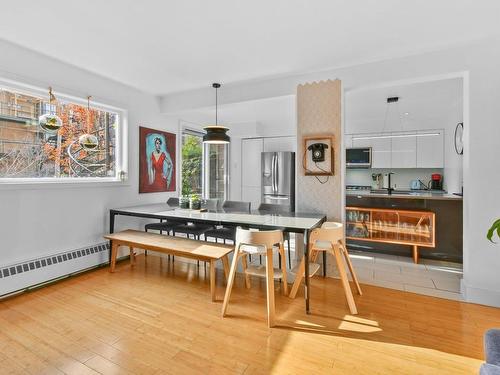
point(318, 151)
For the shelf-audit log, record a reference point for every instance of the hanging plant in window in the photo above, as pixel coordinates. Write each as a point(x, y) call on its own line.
point(50, 122)
point(88, 141)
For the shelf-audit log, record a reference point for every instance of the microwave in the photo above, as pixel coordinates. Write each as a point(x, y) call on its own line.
point(359, 157)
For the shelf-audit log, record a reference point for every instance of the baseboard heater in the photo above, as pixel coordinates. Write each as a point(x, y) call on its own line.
point(20, 276)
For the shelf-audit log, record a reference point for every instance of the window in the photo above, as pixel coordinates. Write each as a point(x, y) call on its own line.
point(192, 163)
point(204, 167)
point(27, 151)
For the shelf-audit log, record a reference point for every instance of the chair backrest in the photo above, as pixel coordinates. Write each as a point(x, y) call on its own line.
point(274, 208)
point(236, 206)
point(330, 231)
point(173, 201)
point(209, 204)
point(263, 239)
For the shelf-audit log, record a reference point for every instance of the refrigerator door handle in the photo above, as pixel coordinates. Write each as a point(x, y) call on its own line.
point(273, 173)
point(276, 174)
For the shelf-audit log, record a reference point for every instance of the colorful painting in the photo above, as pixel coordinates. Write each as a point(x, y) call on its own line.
point(156, 161)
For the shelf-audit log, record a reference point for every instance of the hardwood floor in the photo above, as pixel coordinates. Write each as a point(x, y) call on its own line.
point(156, 319)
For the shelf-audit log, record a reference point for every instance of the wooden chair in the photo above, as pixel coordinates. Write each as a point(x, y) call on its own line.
point(329, 238)
point(276, 209)
point(261, 243)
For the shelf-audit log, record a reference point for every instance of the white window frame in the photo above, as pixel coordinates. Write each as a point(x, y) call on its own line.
point(121, 144)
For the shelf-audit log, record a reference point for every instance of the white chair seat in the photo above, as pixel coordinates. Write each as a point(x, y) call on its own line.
point(313, 268)
point(260, 271)
point(322, 245)
point(253, 249)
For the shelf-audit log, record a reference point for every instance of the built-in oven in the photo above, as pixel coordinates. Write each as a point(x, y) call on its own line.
point(359, 157)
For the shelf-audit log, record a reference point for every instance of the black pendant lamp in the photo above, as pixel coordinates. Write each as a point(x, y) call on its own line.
point(216, 134)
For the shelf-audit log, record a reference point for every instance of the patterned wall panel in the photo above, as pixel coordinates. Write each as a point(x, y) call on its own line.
point(319, 112)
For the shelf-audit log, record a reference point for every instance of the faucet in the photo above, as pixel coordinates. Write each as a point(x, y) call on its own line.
point(389, 188)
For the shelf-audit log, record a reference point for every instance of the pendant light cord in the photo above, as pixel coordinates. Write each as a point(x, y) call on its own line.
point(216, 104)
point(88, 114)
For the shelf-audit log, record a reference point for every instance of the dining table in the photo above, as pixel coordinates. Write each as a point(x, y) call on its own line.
point(292, 222)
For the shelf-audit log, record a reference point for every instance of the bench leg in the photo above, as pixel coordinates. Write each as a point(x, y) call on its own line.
point(114, 251)
point(132, 256)
point(225, 264)
point(212, 280)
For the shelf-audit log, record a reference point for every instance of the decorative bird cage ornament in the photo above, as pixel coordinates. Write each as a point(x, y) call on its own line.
point(88, 142)
point(50, 123)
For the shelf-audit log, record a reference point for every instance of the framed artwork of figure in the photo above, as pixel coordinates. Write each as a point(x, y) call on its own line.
point(157, 168)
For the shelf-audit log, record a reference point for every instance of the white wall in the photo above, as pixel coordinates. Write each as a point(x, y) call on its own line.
point(42, 220)
point(482, 134)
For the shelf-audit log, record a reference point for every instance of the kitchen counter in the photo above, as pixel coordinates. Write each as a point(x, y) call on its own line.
point(404, 195)
point(449, 225)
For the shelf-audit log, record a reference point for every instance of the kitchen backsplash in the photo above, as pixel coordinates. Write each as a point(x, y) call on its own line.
point(400, 179)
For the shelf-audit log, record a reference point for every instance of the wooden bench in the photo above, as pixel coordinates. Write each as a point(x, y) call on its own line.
point(182, 247)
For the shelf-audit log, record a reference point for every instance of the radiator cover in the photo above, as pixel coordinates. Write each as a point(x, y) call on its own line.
point(20, 276)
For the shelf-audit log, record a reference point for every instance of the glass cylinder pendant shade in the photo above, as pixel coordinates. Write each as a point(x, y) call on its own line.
point(216, 134)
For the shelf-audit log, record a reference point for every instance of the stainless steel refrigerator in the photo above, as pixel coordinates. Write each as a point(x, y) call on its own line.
point(278, 178)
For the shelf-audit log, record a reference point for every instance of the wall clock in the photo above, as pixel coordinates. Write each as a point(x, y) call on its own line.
point(459, 141)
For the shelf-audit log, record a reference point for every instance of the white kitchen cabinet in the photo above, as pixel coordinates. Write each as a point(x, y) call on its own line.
point(277, 144)
point(348, 140)
point(363, 142)
point(430, 150)
point(381, 153)
point(251, 194)
point(404, 151)
point(251, 162)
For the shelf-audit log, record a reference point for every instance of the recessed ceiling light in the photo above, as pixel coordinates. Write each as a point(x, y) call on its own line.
point(406, 113)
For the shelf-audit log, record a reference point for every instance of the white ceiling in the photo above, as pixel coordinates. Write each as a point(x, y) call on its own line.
point(426, 105)
point(168, 46)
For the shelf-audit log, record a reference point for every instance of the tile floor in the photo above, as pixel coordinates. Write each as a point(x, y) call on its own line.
point(430, 277)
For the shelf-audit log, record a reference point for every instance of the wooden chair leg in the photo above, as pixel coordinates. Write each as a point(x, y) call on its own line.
point(230, 280)
point(225, 265)
point(283, 269)
point(271, 309)
point(351, 268)
point(244, 264)
point(114, 252)
point(132, 256)
point(345, 281)
point(298, 278)
point(212, 281)
point(313, 255)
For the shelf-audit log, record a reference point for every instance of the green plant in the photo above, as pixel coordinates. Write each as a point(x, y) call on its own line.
point(495, 227)
point(191, 165)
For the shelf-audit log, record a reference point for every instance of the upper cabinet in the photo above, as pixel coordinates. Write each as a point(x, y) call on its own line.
point(250, 161)
point(430, 150)
point(404, 151)
point(277, 144)
point(381, 153)
point(419, 149)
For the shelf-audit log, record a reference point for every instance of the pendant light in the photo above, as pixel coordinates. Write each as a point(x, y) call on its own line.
point(216, 134)
point(50, 123)
point(89, 142)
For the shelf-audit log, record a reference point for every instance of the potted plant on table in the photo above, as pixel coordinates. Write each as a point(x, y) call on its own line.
point(184, 201)
point(195, 202)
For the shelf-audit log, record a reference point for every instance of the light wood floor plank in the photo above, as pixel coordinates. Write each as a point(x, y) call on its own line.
point(155, 318)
